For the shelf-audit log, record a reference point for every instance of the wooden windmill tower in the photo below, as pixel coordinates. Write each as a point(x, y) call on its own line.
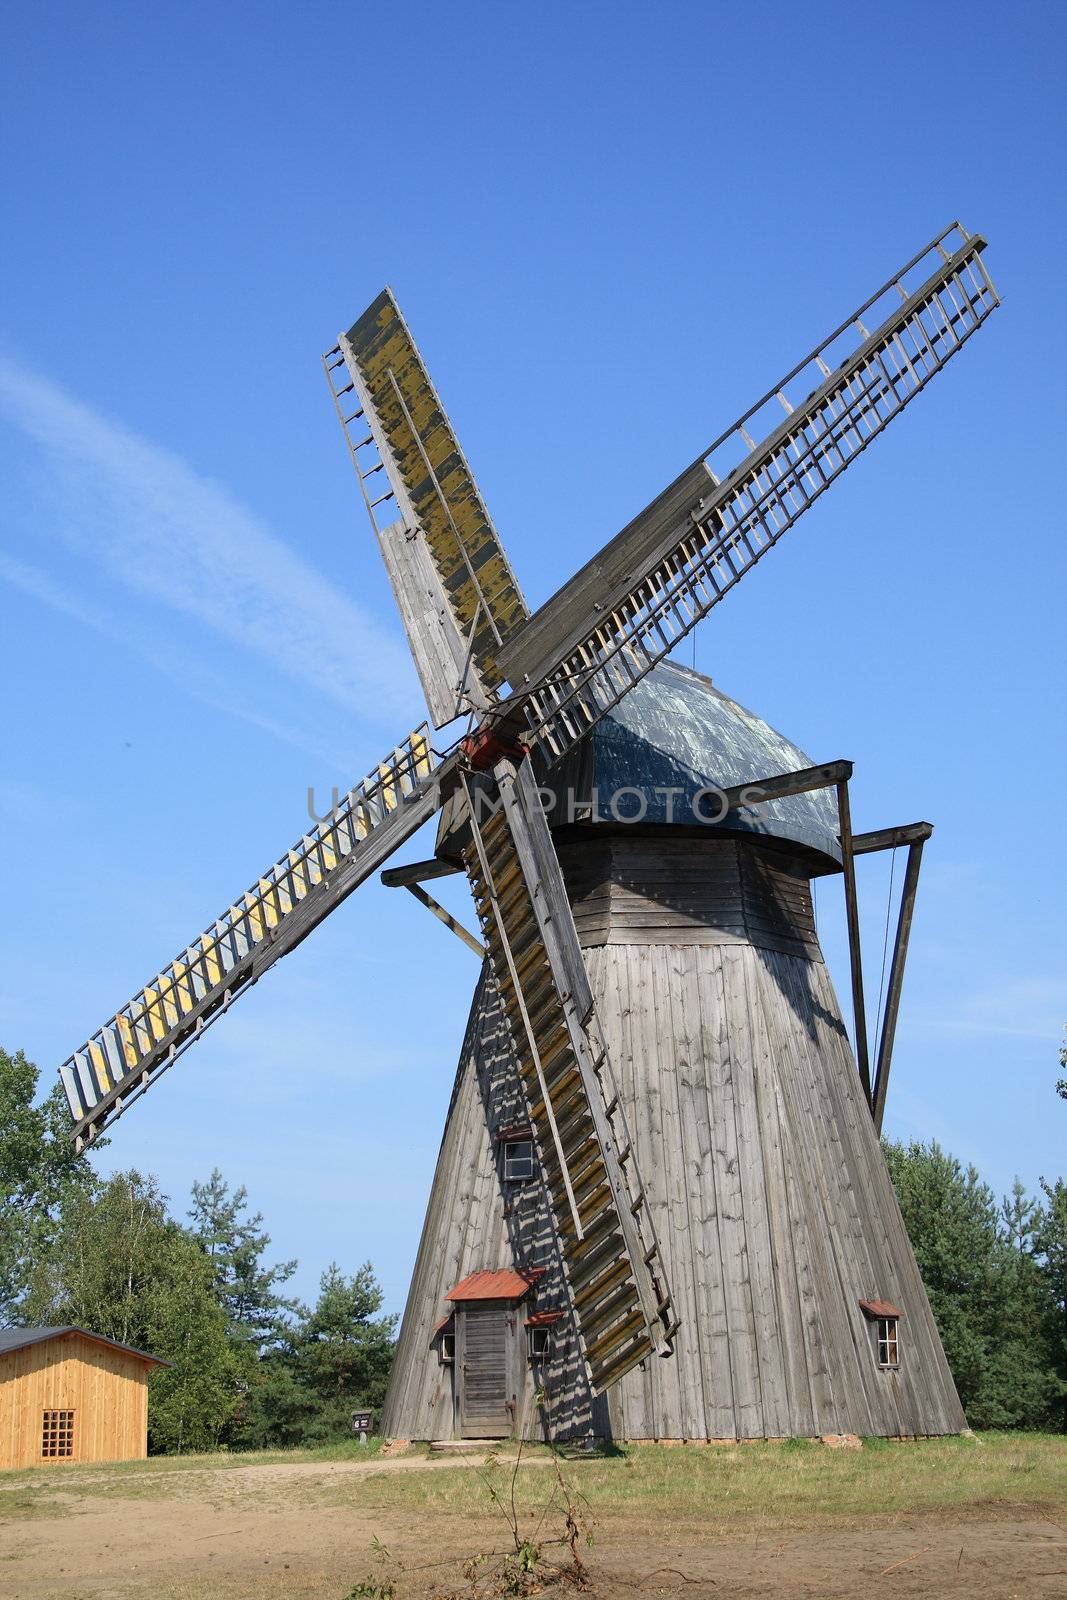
point(659, 1142)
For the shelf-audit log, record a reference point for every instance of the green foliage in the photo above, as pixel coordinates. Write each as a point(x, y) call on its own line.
point(1050, 1237)
point(122, 1267)
point(38, 1169)
point(988, 1284)
point(235, 1244)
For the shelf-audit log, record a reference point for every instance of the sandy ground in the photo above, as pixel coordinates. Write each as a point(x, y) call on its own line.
point(297, 1530)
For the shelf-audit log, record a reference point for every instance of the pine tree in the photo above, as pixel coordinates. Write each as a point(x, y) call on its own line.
point(984, 1287)
point(1050, 1234)
point(235, 1244)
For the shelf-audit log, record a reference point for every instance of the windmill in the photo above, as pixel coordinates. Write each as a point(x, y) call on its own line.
point(660, 1141)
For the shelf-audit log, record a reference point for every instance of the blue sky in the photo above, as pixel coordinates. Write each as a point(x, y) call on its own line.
point(611, 228)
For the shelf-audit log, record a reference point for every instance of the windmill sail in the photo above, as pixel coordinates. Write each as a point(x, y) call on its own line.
point(123, 1057)
point(627, 608)
point(607, 1244)
point(454, 585)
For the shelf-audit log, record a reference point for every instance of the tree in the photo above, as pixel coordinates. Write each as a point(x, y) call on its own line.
point(1050, 1235)
point(235, 1244)
point(344, 1350)
point(120, 1266)
point(1061, 1083)
point(336, 1360)
point(38, 1169)
point(986, 1293)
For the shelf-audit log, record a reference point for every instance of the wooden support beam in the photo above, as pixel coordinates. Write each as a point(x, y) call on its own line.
point(447, 918)
point(896, 975)
point(785, 784)
point(848, 867)
point(418, 872)
point(891, 838)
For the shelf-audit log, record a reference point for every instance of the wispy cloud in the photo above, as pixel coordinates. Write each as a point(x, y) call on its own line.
point(1020, 1008)
point(192, 677)
point(147, 520)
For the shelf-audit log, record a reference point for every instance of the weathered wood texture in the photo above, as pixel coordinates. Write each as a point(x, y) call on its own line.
point(106, 1389)
point(771, 1199)
point(649, 887)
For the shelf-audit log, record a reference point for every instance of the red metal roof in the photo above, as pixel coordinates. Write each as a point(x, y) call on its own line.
point(504, 1285)
point(519, 1130)
point(440, 1324)
point(880, 1308)
point(542, 1319)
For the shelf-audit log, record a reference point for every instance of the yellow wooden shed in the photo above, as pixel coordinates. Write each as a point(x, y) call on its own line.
point(70, 1395)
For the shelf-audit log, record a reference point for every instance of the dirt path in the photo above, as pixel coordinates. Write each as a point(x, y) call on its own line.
point(298, 1531)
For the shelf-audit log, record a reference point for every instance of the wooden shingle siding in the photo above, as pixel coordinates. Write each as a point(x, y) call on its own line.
point(106, 1389)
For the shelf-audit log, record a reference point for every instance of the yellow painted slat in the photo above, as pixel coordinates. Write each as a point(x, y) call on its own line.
point(154, 1013)
point(100, 1066)
point(210, 963)
point(255, 918)
point(130, 1053)
point(182, 992)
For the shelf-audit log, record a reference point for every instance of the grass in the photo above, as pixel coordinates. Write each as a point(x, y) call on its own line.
point(797, 1483)
point(721, 1488)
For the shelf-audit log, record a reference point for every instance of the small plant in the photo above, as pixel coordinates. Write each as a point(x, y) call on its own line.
point(380, 1588)
point(526, 1569)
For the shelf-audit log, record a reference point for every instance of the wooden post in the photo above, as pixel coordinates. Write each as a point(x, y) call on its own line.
point(848, 867)
point(896, 980)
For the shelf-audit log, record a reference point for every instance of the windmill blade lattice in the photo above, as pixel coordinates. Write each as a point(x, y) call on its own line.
point(119, 1061)
point(627, 608)
point(453, 583)
point(608, 1247)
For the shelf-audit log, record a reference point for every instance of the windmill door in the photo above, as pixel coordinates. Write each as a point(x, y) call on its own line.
point(482, 1350)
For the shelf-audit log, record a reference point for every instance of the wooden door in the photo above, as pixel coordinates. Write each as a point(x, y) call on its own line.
point(482, 1357)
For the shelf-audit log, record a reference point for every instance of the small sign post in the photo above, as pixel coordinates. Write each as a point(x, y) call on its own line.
point(361, 1425)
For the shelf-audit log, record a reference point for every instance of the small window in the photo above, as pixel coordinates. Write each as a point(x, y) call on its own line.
point(888, 1344)
point(538, 1343)
point(448, 1347)
point(518, 1160)
point(57, 1434)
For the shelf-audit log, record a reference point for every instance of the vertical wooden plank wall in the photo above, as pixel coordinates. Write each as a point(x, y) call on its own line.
point(107, 1391)
point(771, 1198)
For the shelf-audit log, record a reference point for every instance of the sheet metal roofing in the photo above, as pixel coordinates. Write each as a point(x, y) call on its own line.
point(677, 732)
point(19, 1338)
point(504, 1285)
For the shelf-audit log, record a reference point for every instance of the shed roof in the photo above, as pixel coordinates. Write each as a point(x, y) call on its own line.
point(19, 1338)
point(880, 1308)
point(503, 1285)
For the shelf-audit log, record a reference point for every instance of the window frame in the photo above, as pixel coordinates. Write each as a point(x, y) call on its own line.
point(507, 1145)
point(538, 1334)
point(887, 1342)
point(447, 1348)
point(57, 1433)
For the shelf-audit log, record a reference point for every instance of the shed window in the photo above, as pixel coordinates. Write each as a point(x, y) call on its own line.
point(448, 1347)
point(518, 1160)
point(888, 1344)
point(57, 1433)
point(537, 1345)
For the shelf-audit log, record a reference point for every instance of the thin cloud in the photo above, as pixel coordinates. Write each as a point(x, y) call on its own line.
point(147, 520)
point(189, 676)
point(1020, 1008)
